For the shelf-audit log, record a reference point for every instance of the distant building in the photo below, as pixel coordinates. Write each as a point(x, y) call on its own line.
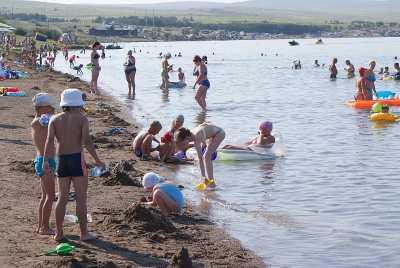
point(114, 30)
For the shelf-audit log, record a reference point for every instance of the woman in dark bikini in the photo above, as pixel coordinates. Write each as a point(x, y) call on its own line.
point(130, 73)
point(202, 81)
point(94, 60)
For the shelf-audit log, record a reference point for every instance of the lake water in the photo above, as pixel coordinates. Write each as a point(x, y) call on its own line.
point(333, 199)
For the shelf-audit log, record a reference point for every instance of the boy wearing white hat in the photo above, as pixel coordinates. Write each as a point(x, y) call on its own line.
point(71, 129)
point(165, 195)
point(44, 108)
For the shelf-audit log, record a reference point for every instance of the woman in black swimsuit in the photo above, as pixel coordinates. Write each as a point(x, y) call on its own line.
point(94, 60)
point(130, 73)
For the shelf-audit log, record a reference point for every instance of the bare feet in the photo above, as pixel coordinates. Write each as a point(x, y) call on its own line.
point(88, 237)
point(59, 236)
point(47, 232)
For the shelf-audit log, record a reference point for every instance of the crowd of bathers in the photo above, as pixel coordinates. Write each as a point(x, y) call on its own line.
point(365, 85)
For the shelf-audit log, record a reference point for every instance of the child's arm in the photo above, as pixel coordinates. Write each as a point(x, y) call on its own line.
point(251, 141)
point(87, 140)
point(47, 148)
point(34, 128)
point(197, 145)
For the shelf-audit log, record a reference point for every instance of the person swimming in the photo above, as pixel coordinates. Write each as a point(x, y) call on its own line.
point(264, 139)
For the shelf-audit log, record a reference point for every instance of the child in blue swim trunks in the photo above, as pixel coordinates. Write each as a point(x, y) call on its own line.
point(142, 144)
point(167, 196)
point(44, 109)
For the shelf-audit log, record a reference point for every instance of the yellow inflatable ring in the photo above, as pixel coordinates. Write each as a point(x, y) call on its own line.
point(376, 117)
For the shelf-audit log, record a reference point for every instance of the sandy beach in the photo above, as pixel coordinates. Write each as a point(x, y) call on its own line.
point(129, 235)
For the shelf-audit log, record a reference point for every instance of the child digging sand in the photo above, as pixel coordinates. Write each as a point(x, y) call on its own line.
point(166, 196)
point(71, 129)
point(44, 109)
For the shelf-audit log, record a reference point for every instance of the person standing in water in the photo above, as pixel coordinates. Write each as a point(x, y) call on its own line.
point(362, 91)
point(203, 136)
point(202, 81)
point(333, 69)
point(350, 69)
point(94, 60)
point(371, 78)
point(396, 75)
point(164, 71)
point(130, 73)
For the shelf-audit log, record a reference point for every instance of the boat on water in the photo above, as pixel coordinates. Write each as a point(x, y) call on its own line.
point(113, 46)
point(294, 43)
point(319, 42)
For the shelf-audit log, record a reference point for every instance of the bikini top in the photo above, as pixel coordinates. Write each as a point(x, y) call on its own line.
point(197, 73)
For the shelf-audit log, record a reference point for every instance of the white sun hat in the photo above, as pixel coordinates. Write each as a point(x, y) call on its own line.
point(43, 99)
point(151, 179)
point(72, 97)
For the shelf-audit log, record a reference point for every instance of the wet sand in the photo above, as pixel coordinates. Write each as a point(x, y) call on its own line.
point(129, 235)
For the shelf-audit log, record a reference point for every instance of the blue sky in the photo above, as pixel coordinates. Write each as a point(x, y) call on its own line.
point(130, 1)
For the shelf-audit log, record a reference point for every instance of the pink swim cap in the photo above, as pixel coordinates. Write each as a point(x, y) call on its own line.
point(266, 125)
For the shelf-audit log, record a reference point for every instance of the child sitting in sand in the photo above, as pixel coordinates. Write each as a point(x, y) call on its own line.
point(263, 138)
point(165, 195)
point(168, 146)
point(44, 109)
point(142, 144)
point(71, 129)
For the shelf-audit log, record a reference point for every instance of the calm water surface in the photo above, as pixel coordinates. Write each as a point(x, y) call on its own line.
point(333, 200)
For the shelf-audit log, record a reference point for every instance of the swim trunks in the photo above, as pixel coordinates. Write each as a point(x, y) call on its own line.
point(173, 192)
point(71, 165)
point(205, 83)
point(39, 165)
